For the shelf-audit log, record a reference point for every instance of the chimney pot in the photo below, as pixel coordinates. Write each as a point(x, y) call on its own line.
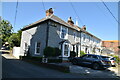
point(84, 27)
point(49, 12)
point(70, 21)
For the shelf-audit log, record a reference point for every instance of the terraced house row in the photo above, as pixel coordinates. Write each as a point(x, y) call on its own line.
point(55, 32)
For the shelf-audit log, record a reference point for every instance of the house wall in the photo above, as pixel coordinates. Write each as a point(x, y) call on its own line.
point(90, 42)
point(111, 45)
point(87, 41)
point(33, 35)
point(38, 34)
point(54, 36)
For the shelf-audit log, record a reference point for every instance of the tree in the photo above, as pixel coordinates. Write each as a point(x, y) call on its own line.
point(5, 30)
point(15, 39)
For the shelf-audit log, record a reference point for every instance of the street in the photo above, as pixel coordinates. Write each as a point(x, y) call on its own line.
point(13, 68)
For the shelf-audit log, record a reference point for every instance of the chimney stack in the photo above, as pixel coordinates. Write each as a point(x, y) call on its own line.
point(70, 21)
point(84, 27)
point(49, 12)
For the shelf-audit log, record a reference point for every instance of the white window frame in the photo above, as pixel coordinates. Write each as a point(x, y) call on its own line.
point(66, 36)
point(63, 46)
point(84, 37)
point(75, 36)
point(36, 47)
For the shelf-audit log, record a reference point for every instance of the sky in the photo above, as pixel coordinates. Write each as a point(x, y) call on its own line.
point(94, 15)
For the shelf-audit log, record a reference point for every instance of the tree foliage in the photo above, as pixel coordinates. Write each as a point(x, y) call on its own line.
point(5, 30)
point(82, 53)
point(15, 39)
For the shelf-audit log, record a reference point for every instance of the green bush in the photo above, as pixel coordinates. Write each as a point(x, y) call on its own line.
point(57, 52)
point(82, 53)
point(52, 52)
point(49, 52)
point(73, 54)
point(117, 59)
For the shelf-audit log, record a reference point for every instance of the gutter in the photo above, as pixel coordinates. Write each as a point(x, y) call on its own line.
point(80, 42)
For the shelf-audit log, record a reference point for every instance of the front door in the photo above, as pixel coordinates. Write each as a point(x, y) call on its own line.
point(66, 50)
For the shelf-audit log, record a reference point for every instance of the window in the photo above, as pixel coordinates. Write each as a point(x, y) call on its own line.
point(94, 57)
point(74, 35)
point(66, 47)
point(84, 56)
point(89, 38)
point(37, 49)
point(64, 33)
point(84, 37)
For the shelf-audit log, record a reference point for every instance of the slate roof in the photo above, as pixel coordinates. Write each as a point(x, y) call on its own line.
point(58, 20)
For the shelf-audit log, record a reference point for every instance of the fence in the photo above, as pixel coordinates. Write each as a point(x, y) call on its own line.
point(16, 52)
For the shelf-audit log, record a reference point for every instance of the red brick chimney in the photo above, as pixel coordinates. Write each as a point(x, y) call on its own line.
point(49, 12)
point(84, 27)
point(70, 21)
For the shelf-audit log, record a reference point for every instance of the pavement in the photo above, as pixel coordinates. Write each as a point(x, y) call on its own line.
point(85, 70)
point(13, 68)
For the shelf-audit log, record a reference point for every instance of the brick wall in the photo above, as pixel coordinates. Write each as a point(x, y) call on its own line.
point(112, 45)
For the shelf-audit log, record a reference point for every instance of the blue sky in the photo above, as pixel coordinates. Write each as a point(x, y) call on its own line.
point(94, 15)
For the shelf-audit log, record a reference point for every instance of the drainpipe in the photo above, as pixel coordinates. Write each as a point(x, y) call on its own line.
point(47, 33)
point(80, 42)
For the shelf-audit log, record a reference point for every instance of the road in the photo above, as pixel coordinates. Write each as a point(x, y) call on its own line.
point(13, 68)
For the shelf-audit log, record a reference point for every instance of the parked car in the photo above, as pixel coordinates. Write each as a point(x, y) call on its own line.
point(113, 61)
point(94, 61)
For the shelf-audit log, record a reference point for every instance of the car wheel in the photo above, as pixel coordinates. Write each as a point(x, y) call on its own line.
point(96, 66)
point(74, 61)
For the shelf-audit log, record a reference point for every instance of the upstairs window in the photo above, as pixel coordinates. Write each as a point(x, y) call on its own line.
point(84, 37)
point(37, 48)
point(64, 33)
point(74, 35)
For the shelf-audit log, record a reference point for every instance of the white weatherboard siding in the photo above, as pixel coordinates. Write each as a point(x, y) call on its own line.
point(57, 33)
point(88, 43)
point(26, 38)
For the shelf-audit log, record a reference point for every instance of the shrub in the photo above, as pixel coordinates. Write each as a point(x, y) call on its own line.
point(82, 53)
point(49, 52)
point(117, 59)
point(73, 54)
point(57, 52)
point(52, 52)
